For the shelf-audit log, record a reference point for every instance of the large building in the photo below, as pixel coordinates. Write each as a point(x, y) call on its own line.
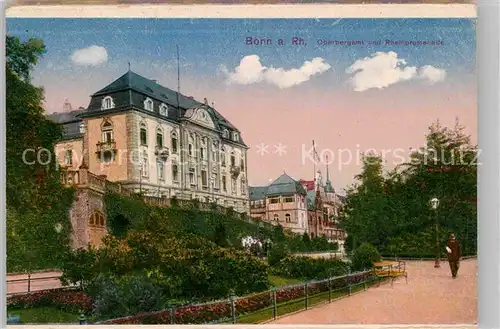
point(158, 142)
point(300, 206)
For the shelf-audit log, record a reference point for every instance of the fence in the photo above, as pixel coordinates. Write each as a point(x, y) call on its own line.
point(259, 307)
point(28, 283)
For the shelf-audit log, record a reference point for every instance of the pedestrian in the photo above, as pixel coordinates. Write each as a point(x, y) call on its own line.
point(454, 254)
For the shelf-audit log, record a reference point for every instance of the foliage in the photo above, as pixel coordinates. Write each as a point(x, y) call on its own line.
point(392, 211)
point(364, 256)
point(220, 235)
point(309, 268)
point(36, 200)
point(276, 254)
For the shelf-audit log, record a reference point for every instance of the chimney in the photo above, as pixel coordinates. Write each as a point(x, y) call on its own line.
point(205, 101)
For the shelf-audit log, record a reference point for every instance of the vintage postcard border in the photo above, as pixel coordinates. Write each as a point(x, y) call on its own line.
point(489, 118)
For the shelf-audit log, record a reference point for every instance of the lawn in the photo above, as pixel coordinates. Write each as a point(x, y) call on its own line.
point(43, 315)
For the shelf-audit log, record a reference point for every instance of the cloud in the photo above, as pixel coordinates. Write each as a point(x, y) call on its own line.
point(90, 56)
point(382, 70)
point(251, 71)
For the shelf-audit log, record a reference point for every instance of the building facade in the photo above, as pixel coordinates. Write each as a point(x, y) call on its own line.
point(156, 142)
point(301, 206)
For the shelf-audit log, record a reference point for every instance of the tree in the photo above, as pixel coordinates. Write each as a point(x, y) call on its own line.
point(220, 235)
point(36, 199)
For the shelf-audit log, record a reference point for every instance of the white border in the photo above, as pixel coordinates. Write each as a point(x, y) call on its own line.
point(251, 11)
point(489, 118)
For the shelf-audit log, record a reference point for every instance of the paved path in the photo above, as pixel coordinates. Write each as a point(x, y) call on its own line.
point(430, 297)
point(39, 281)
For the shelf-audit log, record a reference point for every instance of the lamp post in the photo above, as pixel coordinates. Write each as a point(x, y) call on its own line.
point(434, 205)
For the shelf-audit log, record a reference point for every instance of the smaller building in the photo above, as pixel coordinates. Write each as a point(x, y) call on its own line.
point(301, 206)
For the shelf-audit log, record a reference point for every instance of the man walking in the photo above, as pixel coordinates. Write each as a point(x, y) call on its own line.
point(454, 255)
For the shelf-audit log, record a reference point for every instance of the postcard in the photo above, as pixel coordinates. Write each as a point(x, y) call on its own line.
point(307, 171)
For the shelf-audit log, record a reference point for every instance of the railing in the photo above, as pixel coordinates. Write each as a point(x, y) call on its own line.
point(28, 281)
point(260, 307)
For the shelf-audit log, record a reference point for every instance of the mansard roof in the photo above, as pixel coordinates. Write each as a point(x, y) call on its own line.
point(285, 185)
point(70, 123)
point(131, 89)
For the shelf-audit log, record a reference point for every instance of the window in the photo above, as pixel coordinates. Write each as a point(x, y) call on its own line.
point(97, 219)
point(223, 156)
point(204, 178)
point(148, 104)
point(164, 110)
point(144, 164)
point(224, 183)
point(159, 138)
point(174, 142)
point(235, 137)
point(243, 186)
point(233, 185)
point(233, 159)
point(215, 182)
point(276, 218)
point(68, 157)
point(225, 133)
point(190, 150)
point(288, 199)
point(242, 165)
point(175, 173)
point(192, 176)
point(274, 200)
point(107, 103)
point(287, 218)
point(202, 153)
point(214, 151)
point(143, 134)
point(161, 170)
point(107, 132)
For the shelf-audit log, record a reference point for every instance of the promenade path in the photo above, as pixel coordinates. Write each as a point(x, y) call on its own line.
point(430, 297)
point(18, 283)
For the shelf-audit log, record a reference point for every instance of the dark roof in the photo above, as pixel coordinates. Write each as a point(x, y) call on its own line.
point(285, 185)
point(257, 192)
point(140, 85)
point(69, 121)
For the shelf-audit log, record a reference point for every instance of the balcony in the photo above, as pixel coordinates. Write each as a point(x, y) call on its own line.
point(106, 147)
point(162, 152)
point(235, 171)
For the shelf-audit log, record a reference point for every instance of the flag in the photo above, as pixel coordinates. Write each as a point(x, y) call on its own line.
point(315, 154)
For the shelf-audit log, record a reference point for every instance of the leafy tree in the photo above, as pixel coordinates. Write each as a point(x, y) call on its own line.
point(220, 235)
point(364, 256)
point(36, 200)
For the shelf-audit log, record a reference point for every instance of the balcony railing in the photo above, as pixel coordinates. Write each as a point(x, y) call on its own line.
point(106, 146)
point(162, 152)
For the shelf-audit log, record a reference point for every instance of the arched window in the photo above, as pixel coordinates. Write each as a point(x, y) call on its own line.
point(107, 132)
point(287, 218)
point(143, 134)
point(225, 133)
point(148, 104)
point(173, 141)
point(97, 219)
point(223, 156)
point(203, 149)
point(164, 110)
point(276, 218)
point(233, 159)
point(175, 173)
point(236, 137)
point(107, 103)
point(159, 137)
point(190, 146)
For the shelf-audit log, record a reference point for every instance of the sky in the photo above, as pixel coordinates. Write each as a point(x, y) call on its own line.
point(351, 85)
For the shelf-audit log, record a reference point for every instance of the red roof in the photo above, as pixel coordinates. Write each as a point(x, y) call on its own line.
point(308, 184)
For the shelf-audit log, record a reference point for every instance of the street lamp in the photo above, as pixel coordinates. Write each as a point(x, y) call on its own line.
point(434, 205)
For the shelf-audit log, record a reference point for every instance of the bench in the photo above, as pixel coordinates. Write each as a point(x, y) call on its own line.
point(390, 269)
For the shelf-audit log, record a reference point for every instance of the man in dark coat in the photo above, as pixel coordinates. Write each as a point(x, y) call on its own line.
point(454, 255)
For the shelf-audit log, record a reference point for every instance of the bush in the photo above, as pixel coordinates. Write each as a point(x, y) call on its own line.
point(276, 254)
point(308, 268)
point(364, 256)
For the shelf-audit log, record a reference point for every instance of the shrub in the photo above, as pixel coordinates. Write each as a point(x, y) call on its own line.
point(276, 254)
point(309, 268)
point(364, 256)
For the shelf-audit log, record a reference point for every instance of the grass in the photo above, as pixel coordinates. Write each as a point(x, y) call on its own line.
point(278, 281)
point(43, 315)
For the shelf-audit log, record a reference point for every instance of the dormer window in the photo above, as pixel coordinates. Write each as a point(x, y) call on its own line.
point(107, 103)
point(235, 137)
point(148, 104)
point(164, 110)
point(225, 133)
